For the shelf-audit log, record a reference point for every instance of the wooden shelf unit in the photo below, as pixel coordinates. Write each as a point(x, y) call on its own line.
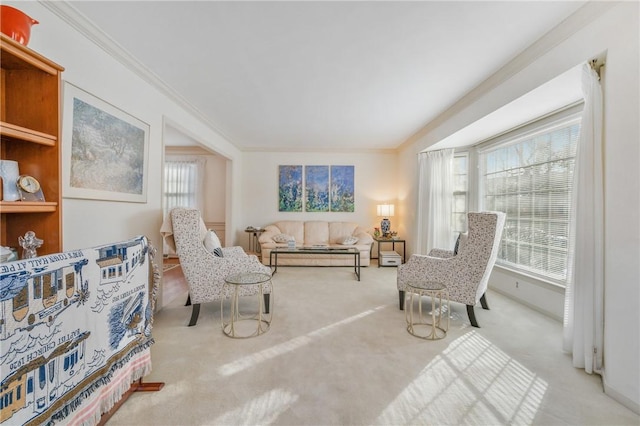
point(30, 129)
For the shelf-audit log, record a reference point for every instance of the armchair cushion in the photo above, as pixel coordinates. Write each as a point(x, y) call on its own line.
point(460, 242)
point(212, 243)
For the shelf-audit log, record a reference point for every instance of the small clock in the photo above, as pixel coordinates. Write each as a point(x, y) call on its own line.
point(30, 189)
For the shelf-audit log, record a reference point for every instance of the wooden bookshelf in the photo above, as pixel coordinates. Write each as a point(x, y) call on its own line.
point(30, 97)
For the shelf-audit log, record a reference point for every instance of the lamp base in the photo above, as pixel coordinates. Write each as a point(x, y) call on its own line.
point(385, 226)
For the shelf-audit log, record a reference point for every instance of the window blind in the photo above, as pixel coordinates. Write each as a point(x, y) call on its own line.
point(529, 177)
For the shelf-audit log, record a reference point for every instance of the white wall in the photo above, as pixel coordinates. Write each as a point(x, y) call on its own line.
point(90, 222)
point(375, 182)
point(600, 27)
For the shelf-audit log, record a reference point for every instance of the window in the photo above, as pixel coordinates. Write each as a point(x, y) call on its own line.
point(529, 177)
point(181, 183)
point(460, 189)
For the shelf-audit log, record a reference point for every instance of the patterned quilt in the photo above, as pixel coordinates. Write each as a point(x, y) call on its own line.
point(75, 332)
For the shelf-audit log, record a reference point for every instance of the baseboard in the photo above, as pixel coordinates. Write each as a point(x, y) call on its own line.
point(614, 394)
point(527, 304)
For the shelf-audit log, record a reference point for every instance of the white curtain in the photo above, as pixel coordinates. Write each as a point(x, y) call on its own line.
point(584, 300)
point(435, 199)
point(183, 182)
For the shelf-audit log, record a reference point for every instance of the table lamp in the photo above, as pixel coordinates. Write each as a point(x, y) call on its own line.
point(385, 211)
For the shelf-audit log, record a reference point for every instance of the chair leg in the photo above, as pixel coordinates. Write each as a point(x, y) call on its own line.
point(483, 302)
point(194, 314)
point(266, 302)
point(401, 299)
point(472, 316)
point(188, 300)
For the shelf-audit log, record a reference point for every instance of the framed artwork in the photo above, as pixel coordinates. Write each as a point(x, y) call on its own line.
point(105, 150)
point(342, 189)
point(290, 188)
point(316, 188)
point(326, 188)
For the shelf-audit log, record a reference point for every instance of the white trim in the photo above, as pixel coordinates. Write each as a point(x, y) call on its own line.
point(547, 123)
point(539, 281)
point(621, 398)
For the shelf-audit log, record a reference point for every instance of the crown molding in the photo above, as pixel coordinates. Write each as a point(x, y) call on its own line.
point(302, 149)
point(554, 37)
point(188, 150)
point(74, 18)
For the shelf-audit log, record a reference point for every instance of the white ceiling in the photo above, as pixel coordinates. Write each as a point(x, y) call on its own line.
point(323, 75)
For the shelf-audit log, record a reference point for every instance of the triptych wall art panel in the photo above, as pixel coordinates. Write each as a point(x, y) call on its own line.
point(290, 189)
point(342, 189)
point(326, 188)
point(316, 188)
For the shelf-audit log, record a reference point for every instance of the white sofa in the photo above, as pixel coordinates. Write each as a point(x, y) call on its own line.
point(316, 233)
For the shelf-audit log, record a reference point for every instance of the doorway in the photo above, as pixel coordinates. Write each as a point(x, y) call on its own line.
point(193, 176)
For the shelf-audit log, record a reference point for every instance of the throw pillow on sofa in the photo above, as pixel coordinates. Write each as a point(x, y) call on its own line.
point(212, 243)
point(281, 238)
point(348, 241)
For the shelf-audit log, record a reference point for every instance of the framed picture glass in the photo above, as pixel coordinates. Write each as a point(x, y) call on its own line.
point(104, 150)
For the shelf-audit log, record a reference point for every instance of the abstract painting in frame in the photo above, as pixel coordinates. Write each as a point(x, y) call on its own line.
point(290, 188)
point(342, 189)
point(316, 188)
point(104, 151)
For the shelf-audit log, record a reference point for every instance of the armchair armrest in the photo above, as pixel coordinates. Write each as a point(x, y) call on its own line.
point(270, 231)
point(444, 254)
point(425, 268)
point(206, 273)
point(234, 251)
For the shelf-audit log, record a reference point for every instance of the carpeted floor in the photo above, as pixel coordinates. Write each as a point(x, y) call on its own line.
point(338, 353)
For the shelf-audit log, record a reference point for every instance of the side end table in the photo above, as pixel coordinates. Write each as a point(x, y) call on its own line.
point(242, 326)
point(419, 325)
point(393, 241)
point(254, 244)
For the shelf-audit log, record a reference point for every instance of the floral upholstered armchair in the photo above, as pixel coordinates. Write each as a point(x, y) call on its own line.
point(464, 271)
point(205, 266)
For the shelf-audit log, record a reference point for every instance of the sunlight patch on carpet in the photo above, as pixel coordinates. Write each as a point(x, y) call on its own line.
point(288, 346)
point(471, 382)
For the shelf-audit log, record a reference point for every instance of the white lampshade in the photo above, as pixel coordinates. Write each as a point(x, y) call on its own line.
point(385, 210)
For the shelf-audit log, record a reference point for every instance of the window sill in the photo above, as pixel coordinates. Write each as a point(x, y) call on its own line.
point(532, 279)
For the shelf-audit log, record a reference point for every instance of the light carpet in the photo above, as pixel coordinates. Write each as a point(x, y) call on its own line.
point(338, 353)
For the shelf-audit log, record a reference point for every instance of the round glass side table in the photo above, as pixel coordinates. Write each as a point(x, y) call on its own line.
point(418, 324)
point(237, 324)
